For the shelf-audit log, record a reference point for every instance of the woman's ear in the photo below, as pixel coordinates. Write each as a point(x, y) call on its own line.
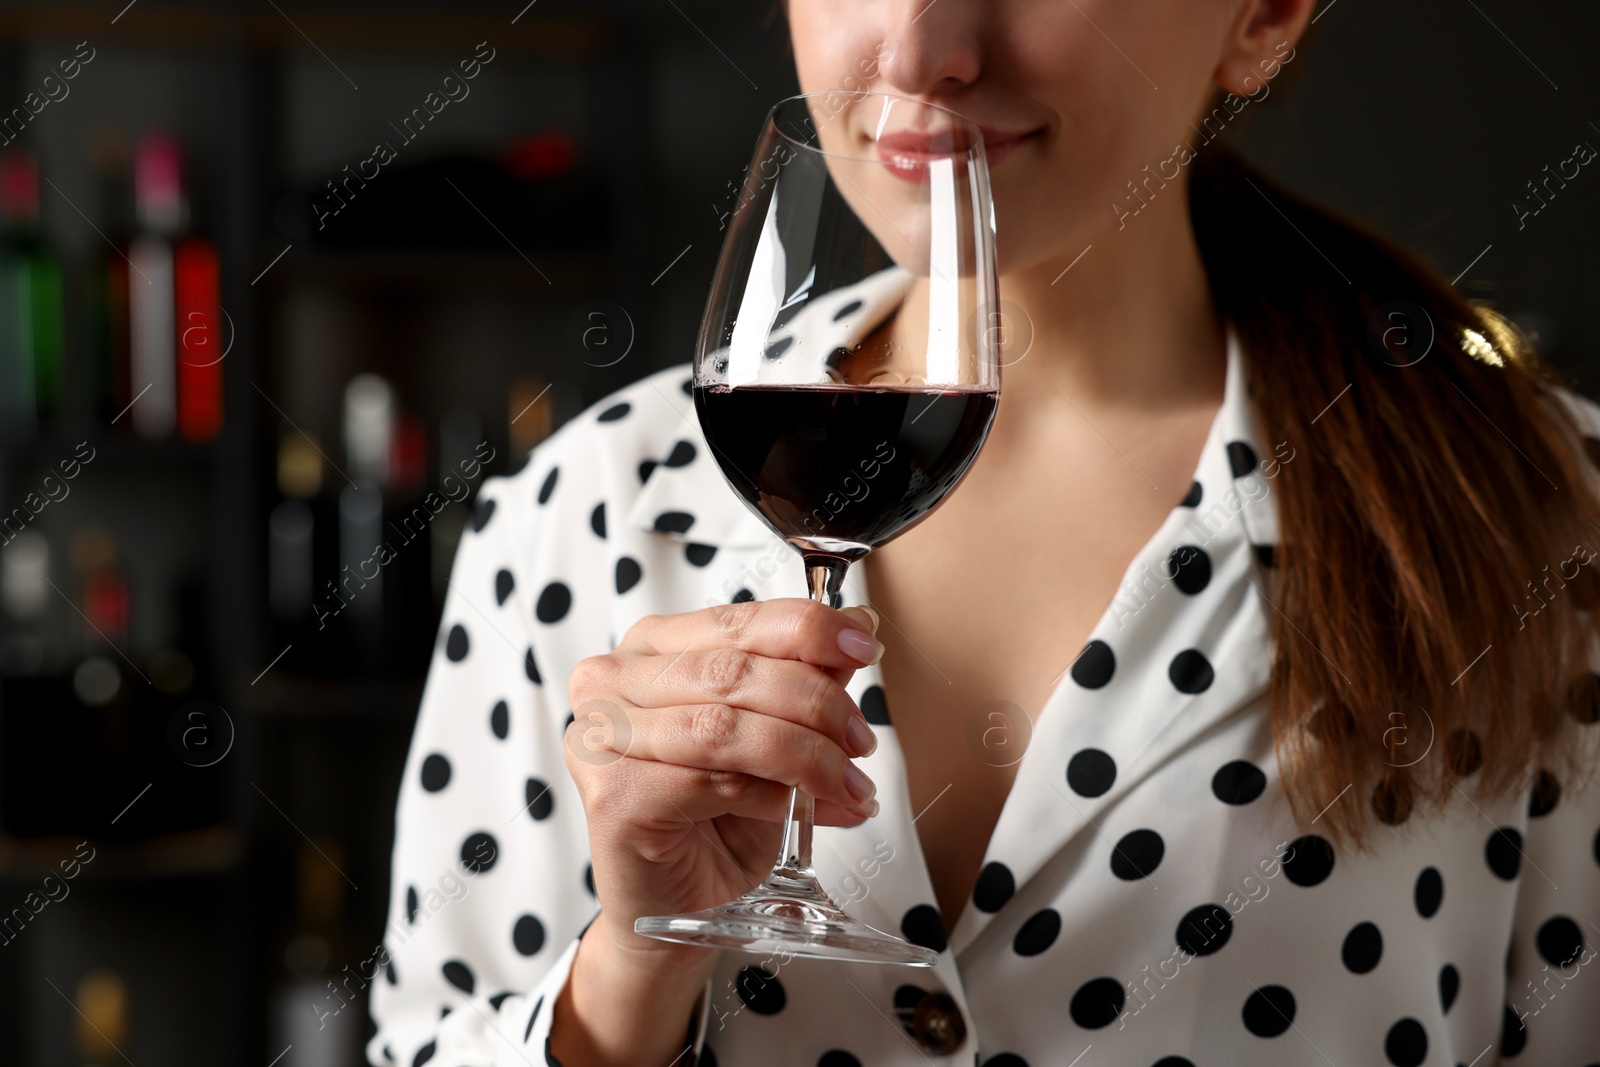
point(1260, 41)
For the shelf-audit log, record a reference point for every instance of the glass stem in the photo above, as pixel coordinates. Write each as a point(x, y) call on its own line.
point(825, 576)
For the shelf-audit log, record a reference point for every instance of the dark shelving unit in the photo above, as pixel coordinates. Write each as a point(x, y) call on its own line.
point(191, 918)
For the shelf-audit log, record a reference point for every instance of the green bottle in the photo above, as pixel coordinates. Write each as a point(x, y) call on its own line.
point(30, 301)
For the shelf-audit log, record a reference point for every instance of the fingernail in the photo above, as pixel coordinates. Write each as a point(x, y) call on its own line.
point(858, 644)
point(859, 734)
point(869, 808)
point(858, 784)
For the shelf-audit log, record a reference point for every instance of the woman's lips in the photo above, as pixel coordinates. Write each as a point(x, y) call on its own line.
point(907, 154)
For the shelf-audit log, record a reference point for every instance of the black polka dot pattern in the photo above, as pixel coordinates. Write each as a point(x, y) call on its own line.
point(1191, 672)
point(482, 512)
point(1038, 933)
point(1503, 853)
point(1205, 930)
point(1363, 948)
point(1406, 1044)
point(457, 645)
point(527, 936)
point(1560, 941)
point(674, 522)
point(1428, 893)
point(1097, 1003)
point(1137, 855)
point(760, 990)
point(1094, 666)
point(479, 853)
point(554, 603)
point(538, 799)
point(1309, 860)
point(1190, 569)
point(1513, 1033)
point(922, 926)
point(1241, 458)
point(459, 975)
point(1157, 738)
point(1269, 1011)
point(1238, 782)
point(874, 707)
point(435, 772)
point(838, 1057)
point(1449, 986)
point(994, 887)
point(1545, 796)
point(1091, 773)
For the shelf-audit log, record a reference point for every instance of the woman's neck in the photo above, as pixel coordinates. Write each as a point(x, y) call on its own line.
point(1128, 323)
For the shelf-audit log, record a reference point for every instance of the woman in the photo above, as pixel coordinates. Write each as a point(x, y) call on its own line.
point(1275, 566)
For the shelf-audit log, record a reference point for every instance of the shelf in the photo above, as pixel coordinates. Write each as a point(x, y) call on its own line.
point(544, 270)
point(55, 445)
point(193, 853)
point(294, 696)
point(362, 29)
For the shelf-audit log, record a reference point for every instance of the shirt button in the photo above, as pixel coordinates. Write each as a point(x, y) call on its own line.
point(938, 1025)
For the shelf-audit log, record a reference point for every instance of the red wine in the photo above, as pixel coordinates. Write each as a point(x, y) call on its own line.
point(837, 470)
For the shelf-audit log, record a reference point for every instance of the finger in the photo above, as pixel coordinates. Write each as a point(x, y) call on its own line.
point(786, 628)
point(723, 738)
point(696, 795)
point(783, 688)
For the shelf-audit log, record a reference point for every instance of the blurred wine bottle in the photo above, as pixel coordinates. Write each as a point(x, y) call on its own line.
point(109, 377)
point(100, 1027)
point(175, 329)
point(30, 302)
point(318, 1004)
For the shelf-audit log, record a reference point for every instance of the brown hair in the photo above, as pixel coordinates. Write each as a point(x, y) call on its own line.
point(1438, 497)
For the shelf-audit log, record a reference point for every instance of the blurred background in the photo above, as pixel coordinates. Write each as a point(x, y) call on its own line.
point(280, 281)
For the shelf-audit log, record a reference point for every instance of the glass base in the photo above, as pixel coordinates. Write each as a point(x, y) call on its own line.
point(788, 914)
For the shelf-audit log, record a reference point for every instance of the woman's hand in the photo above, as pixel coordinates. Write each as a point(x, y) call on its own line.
point(685, 743)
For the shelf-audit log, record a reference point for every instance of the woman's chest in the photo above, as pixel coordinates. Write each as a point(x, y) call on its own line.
point(1191, 919)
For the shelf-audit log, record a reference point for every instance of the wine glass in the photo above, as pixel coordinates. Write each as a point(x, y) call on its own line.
point(847, 373)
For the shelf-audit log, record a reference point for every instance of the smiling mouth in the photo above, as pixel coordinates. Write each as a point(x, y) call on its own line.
point(909, 155)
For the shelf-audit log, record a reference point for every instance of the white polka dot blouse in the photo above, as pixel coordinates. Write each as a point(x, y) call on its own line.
point(1145, 899)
